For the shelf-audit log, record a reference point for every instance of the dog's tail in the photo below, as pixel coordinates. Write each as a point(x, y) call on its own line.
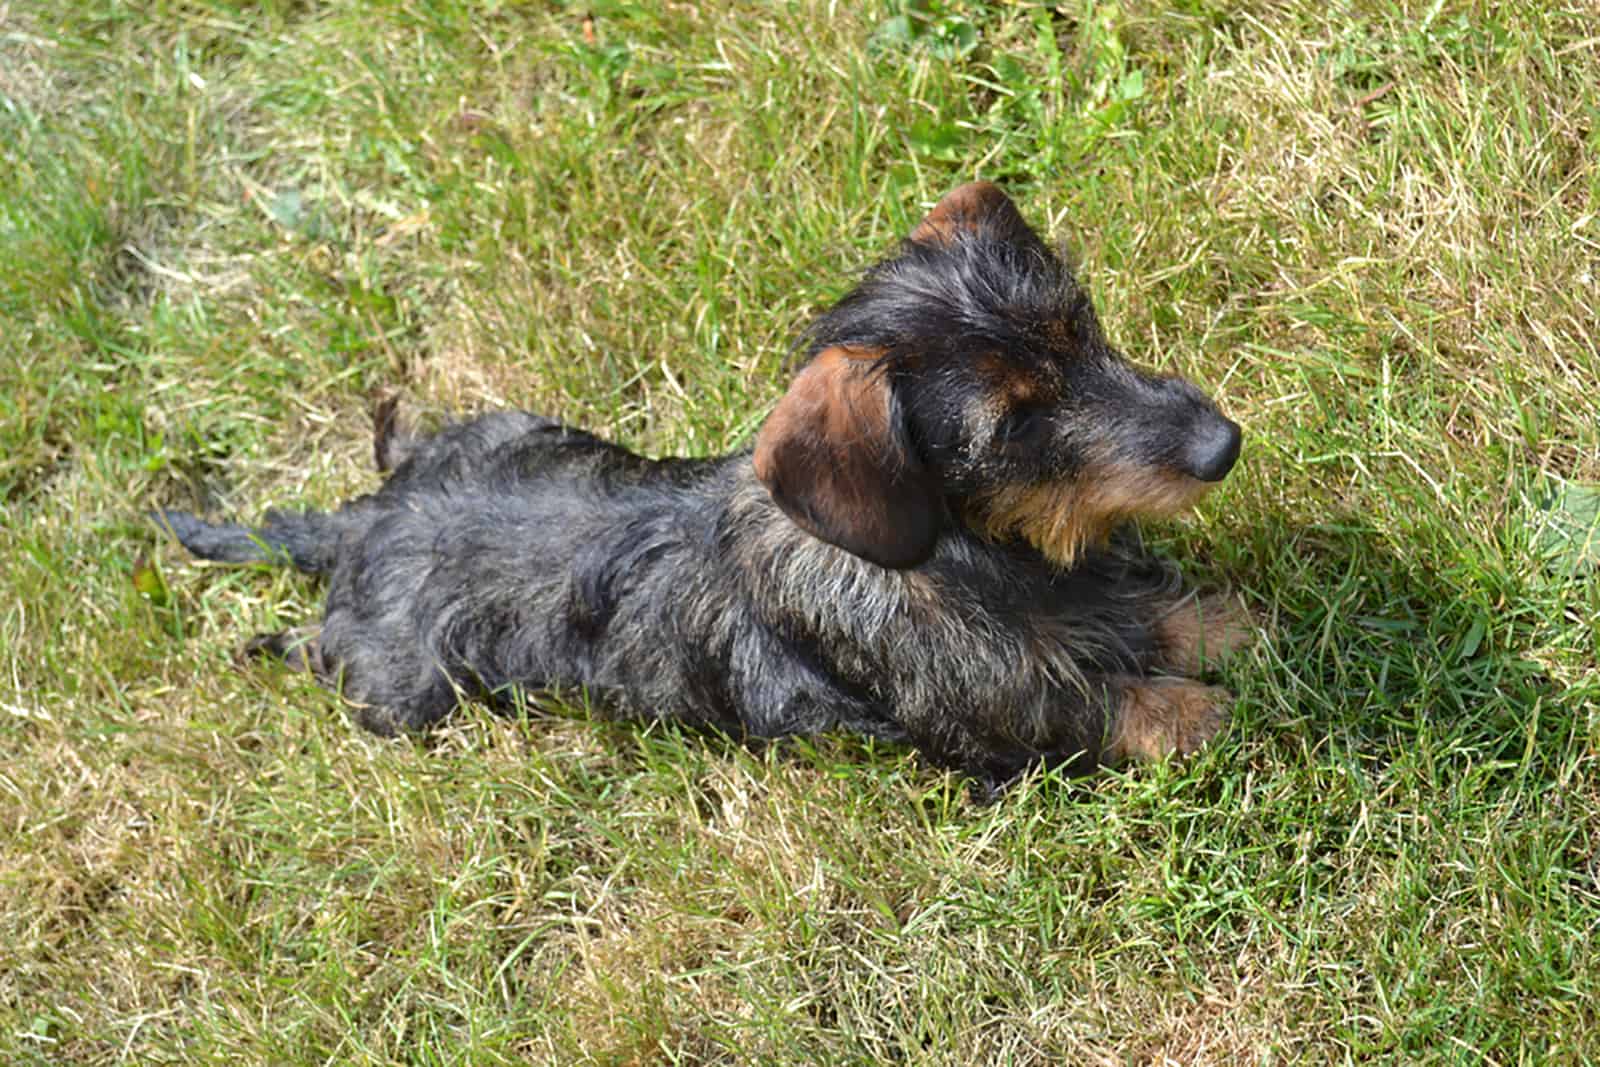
point(309, 540)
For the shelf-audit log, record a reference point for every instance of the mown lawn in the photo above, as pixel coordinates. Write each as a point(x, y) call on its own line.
point(1371, 229)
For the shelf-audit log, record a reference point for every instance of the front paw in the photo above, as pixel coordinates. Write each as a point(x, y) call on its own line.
point(1158, 717)
point(1200, 631)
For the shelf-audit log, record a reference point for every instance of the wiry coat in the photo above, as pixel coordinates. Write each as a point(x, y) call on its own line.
point(920, 546)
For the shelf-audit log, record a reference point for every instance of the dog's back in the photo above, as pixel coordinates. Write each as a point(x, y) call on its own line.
point(507, 549)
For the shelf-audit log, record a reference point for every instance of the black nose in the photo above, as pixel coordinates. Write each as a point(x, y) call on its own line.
point(1212, 452)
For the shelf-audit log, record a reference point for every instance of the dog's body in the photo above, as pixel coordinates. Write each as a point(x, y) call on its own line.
point(920, 547)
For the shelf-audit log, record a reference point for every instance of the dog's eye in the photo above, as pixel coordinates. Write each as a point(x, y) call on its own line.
point(1020, 426)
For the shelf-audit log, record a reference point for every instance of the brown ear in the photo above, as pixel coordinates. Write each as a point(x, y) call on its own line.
point(835, 462)
point(976, 209)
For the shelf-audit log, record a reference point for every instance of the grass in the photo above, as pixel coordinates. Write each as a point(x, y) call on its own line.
point(1370, 228)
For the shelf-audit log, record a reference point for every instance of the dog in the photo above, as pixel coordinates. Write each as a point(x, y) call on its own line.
point(928, 542)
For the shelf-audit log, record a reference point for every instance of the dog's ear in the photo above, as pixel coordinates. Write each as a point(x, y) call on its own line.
point(836, 459)
point(976, 208)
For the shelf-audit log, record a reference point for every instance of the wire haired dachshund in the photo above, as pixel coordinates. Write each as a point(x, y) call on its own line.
point(927, 542)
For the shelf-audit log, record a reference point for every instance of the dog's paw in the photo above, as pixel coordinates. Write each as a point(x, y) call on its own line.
point(1204, 630)
point(393, 439)
point(297, 648)
point(1159, 717)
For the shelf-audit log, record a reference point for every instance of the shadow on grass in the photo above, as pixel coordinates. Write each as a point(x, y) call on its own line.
point(1396, 649)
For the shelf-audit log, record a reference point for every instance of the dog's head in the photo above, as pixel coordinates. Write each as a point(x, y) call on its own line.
point(966, 379)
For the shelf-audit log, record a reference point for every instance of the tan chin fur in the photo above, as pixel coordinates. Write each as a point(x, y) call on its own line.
point(1062, 520)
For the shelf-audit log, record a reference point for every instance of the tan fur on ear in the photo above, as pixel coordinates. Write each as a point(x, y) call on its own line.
point(834, 462)
point(962, 208)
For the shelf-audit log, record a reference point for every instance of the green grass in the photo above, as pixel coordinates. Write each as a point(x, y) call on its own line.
point(1370, 228)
